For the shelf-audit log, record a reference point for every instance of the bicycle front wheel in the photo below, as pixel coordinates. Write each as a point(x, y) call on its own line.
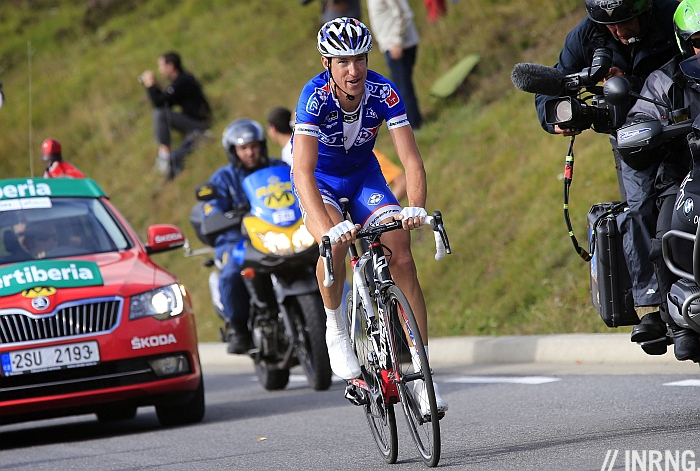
point(415, 379)
point(380, 415)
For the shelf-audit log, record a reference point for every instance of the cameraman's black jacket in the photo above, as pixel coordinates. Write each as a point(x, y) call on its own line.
point(656, 46)
point(667, 85)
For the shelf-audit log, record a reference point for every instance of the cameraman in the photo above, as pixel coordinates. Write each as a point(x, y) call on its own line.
point(640, 35)
point(670, 86)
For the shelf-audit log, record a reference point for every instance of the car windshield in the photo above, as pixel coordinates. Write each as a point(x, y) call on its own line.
point(59, 227)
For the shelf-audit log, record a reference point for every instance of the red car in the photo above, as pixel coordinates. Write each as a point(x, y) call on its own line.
point(88, 323)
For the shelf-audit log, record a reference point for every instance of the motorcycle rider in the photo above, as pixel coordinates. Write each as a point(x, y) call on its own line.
point(640, 35)
point(337, 119)
point(246, 148)
point(670, 86)
point(57, 167)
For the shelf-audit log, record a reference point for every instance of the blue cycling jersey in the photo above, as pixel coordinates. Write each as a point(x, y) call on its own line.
point(318, 114)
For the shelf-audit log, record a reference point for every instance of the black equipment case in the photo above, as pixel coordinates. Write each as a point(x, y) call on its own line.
point(611, 286)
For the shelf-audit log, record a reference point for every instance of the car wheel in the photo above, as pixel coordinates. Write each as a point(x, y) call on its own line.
point(183, 414)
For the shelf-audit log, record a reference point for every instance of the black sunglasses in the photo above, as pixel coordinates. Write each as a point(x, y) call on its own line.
point(695, 42)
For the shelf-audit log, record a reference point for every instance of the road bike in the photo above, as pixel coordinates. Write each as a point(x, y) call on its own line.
point(388, 344)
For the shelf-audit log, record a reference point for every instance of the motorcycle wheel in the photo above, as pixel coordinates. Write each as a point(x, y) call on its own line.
point(270, 378)
point(309, 319)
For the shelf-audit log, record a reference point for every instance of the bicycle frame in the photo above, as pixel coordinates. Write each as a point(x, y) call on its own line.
point(377, 329)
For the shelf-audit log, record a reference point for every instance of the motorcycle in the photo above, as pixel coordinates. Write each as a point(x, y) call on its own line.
point(681, 244)
point(584, 104)
point(277, 256)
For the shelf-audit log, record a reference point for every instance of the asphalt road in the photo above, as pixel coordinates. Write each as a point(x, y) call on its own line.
point(530, 416)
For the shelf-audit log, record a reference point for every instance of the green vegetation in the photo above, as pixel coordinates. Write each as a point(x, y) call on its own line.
point(491, 169)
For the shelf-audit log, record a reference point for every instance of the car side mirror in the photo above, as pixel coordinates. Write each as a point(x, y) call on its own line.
point(164, 237)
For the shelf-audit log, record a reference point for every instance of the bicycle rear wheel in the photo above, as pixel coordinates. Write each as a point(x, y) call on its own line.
point(380, 415)
point(419, 407)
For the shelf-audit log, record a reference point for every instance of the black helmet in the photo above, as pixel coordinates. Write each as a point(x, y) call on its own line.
point(608, 12)
point(240, 132)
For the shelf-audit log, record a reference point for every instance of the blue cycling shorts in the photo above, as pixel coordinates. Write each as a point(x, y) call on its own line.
point(370, 198)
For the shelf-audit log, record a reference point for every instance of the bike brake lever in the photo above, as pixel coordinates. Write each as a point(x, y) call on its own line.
point(438, 226)
point(326, 253)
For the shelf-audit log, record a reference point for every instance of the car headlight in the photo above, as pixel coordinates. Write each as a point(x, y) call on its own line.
point(302, 239)
point(277, 243)
point(161, 303)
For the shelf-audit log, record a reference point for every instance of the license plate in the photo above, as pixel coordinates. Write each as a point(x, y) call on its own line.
point(36, 360)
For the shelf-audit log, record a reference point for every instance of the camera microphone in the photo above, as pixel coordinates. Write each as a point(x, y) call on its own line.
point(536, 78)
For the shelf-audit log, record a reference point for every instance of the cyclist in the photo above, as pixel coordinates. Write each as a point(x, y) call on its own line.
point(246, 148)
point(338, 116)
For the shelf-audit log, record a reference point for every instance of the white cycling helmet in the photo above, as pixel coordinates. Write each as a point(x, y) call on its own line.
point(344, 37)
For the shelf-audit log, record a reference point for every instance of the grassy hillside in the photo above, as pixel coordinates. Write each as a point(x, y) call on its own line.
point(491, 170)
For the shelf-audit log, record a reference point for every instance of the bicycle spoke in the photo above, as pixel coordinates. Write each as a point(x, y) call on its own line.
point(416, 380)
point(380, 416)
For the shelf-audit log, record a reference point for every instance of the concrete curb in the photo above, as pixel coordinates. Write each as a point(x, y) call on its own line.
point(455, 351)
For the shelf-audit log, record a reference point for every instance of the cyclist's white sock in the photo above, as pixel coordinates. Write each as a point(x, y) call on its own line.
point(419, 390)
point(343, 360)
point(415, 359)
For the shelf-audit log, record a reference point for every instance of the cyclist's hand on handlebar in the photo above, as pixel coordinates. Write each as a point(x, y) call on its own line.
point(343, 232)
point(412, 217)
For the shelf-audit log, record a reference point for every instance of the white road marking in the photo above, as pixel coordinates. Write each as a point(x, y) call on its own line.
point(503, 379)
point(685, 382)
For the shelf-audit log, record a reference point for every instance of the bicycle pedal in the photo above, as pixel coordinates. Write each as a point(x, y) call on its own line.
point(355, 395)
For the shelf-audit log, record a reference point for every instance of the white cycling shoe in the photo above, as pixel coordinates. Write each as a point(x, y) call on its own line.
point(422, 394)
point(343, 360)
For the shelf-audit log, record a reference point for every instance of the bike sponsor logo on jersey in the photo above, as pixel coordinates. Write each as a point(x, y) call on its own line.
point(370, 113)
point(375, 199)
point(389, 96)
point(332, 116)
point(331, 140)
point(138, 343)
point(367, 135)
point(61, 274)
point(317, 100)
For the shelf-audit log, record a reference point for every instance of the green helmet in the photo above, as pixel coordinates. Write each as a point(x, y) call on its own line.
point(686, 22)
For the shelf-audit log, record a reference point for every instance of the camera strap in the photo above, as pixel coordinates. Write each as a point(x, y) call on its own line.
point(568, 176)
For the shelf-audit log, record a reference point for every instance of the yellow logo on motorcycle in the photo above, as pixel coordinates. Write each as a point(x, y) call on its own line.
point(283, 199)
point(38, 291)
point(276, 194)
point(208, 209)
point(204, 191)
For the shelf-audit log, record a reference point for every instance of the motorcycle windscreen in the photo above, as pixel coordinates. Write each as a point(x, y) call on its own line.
point(271, 199)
